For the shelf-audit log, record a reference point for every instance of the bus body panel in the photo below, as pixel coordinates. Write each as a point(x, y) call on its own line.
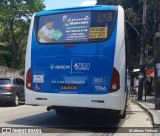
point(29, 95)
point(120, 54)
point(80, 65)
point(59, 72)
point(83, 64)
point(97, 7)
point(111, 101)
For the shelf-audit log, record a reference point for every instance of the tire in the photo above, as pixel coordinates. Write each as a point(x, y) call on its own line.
point(123, 116)
point(16, 100)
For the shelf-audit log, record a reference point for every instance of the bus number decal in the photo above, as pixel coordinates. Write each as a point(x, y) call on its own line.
point(105, 17)
point(100, 88)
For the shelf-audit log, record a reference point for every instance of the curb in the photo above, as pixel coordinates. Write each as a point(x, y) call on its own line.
point(147, 111)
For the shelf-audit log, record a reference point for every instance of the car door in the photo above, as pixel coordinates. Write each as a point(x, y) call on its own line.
point(18, 88)
point(21, 89)
point(15, 86)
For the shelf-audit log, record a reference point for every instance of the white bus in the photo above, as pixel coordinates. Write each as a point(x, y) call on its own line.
point(77, 58)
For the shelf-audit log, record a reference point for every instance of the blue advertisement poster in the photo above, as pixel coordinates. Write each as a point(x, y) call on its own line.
point(68, 27)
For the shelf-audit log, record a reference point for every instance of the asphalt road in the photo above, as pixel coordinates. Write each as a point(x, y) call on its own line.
point(82, 121)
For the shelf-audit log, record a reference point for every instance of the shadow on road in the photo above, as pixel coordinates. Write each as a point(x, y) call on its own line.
point(80, 121)
point(6, 105)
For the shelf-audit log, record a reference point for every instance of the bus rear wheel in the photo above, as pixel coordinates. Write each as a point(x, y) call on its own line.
point(123, 116)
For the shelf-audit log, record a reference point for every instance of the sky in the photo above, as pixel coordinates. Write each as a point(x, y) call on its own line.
point(57, 4)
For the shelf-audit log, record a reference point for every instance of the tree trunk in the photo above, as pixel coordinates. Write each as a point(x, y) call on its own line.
point(14, 62)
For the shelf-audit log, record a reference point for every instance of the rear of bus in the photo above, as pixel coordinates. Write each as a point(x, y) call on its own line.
point(83, 62)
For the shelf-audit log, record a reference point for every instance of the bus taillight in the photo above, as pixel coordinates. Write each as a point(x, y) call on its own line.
point(115, 85)
point(29, 80)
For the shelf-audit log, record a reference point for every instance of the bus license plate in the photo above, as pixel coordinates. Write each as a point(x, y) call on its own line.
point(69, 87)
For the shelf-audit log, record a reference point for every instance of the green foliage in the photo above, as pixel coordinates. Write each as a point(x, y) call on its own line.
point(15, 18)
point(135, 61)
point(109, 2)
point(131, 16)
point(132, 8)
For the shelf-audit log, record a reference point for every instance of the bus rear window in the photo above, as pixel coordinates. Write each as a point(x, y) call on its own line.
point(86, 26)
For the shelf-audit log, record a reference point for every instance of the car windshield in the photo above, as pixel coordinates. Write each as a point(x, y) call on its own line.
point(5, 81)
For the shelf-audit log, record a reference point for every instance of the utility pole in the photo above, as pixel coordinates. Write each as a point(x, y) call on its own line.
point(157, 61)
point(142, 54)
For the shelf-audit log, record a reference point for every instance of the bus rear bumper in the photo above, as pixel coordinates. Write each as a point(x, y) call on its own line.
point(114, 101)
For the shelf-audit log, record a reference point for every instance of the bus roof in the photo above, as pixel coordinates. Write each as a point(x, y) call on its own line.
point(96, 7)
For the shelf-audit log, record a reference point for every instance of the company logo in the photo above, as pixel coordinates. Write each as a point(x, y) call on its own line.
point(82, 66)
point(60, 67)
point(65, 19)
point(75, 21)
point(100, 80)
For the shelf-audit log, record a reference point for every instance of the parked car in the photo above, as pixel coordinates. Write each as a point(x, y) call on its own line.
point(12, 90)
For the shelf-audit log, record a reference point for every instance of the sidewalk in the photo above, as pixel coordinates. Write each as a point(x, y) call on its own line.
point(149, 106)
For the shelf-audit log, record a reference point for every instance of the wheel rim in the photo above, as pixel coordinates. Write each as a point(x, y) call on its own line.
point(16, 100)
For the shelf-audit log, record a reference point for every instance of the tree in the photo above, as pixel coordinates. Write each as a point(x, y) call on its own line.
point(15, 18)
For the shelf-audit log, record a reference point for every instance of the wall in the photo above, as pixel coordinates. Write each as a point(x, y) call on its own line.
point(8, 72)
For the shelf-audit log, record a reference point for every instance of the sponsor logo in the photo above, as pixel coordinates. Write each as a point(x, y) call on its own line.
point(82, 66)
point(100, 80)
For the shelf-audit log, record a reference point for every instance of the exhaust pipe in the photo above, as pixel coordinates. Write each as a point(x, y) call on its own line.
point(49, 108)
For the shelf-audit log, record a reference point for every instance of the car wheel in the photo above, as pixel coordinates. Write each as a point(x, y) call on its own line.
point(16, 100)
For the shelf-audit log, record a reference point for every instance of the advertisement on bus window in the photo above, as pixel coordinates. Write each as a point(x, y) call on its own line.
point(75, 27)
